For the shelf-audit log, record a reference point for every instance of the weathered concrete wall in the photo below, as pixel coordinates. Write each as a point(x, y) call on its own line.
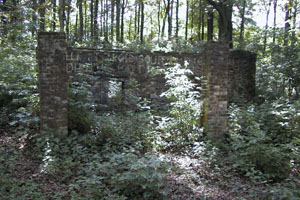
point(226, 76)
point(51, 54)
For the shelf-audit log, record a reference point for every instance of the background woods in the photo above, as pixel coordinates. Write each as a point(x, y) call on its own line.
point(142, 148)
point(145, 20)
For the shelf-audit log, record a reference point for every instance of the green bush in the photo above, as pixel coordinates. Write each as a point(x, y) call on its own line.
point(129, 175)
point(262, 140)
point(180, 128)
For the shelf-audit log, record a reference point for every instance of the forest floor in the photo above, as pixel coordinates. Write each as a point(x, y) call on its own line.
point(192, 180)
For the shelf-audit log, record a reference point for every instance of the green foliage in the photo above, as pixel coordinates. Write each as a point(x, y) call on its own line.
point(127, 174)
point(18, 85)
point(262, 140)
point(81, 103)
point(181, 127)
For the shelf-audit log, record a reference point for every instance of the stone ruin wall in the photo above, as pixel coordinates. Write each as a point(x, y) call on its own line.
point(227, 76)
point(125, 66)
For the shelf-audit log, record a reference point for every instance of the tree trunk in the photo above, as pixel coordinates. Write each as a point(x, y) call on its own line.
point(267, 26)
point(287, 25)
point(177, 19)
point(242, 26)
point(142, 21)
point(225, 20)
point(118, 7)
point(274, 21)
point(122, 20)
point(62, 15)
point(92, 19)
point(80, 20)
point(187, 19)
point(210, 25)
point(158, 18)
point(164, 21)
point(96, 20)
point(112, 20)
point(68, 21)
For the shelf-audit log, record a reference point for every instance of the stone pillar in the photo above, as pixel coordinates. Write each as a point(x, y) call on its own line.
point(51, 54)
point(215, 71)
point(242, 68)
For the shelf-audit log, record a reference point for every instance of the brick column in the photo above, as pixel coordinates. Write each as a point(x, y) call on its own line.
point(215, 71)
point(51, 54)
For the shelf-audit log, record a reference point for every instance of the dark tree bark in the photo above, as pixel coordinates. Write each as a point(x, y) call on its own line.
point(177, 19)
point(187, 19)
point(210, 25)
point(224, 9)
point(118, 15)
point(112, 20)
point(96, 20)
point(122, 19)
point(92, 18)
point(142, 21)
point(164, 20)
point(80, 20)
point(68, 21)
point(62, 15)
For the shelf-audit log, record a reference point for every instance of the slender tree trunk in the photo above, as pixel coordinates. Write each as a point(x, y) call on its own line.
point(192, 18)
point(54, 16)
point(210, 25)
point(122, 20)
point(142, 21)
point(112, 20)
point(242, 26)
point(169, 19)
point(76, 27)
point(96, 20)
point(199, 20)
point(287, 25)
point(164, 21)
point(158, 18)
point(68, 21)
point(294, 28)
point(85, 32)
point(203, 24)
point(92, 19)
point(267, 26)
point(187, 19)
point(135, 20)
point(177, 19)
point(118, 7)
point(62, 16)
point(80, 20)
point(106, 21)
point(274, 21)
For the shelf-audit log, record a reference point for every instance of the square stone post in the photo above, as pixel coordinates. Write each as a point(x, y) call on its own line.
point(51, 54)
point(215, 72)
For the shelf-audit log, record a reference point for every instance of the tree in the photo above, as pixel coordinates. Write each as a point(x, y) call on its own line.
point(224, 8)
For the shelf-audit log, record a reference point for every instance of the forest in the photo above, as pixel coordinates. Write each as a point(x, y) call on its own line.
point(152, 150)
